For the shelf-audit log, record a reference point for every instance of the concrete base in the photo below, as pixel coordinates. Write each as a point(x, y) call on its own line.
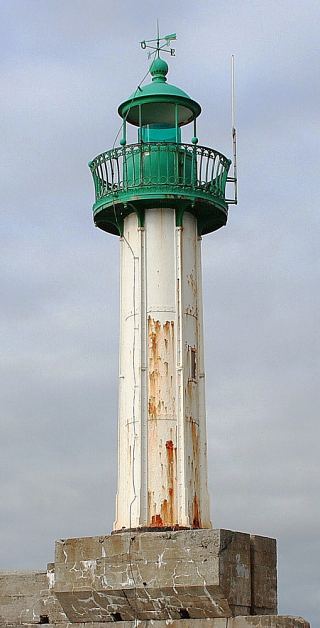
point(196, 574)
point(185, 579)
point(27, 598)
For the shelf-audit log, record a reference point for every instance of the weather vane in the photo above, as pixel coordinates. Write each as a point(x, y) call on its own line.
point(160, 44)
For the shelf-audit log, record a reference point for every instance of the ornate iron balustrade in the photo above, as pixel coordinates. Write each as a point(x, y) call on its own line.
point(164, 166)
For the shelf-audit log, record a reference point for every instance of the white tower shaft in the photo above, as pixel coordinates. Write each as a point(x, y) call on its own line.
point(162, 450)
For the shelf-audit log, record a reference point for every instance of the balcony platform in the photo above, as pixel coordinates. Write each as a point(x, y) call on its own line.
point(184, 177)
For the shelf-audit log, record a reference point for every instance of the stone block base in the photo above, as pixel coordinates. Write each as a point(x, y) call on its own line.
point(26, 597)
point(180, 575)
point(185, 579)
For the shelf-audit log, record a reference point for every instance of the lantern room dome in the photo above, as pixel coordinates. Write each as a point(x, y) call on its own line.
point(159, 102)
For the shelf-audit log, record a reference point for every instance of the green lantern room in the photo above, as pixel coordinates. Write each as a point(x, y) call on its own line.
point(159, 170)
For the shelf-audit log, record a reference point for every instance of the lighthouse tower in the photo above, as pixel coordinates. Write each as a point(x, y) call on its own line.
point(165, 564)
point(160, 196)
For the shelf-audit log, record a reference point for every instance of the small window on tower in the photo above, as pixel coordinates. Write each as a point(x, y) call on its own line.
point(193, 363)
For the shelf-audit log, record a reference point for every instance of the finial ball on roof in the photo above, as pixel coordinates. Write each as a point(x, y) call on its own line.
point(159, 69)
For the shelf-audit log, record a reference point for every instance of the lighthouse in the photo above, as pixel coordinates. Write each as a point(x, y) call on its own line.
point(161, 195)
point(164, 563)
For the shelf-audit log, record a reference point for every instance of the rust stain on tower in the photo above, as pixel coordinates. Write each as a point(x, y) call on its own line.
point(161, 394)
point(196, 517)
point(162, 468)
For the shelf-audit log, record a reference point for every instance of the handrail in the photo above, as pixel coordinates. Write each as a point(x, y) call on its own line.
point(162, 165)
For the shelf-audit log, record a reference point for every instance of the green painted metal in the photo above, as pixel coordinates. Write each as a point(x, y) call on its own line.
point(159, 69)
point(160, 174)
point(143, 105)
point(160, 171)
point(158, 133)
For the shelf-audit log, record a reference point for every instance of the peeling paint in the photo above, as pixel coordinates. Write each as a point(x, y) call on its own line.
point(161, 398)
point(161, 353)
point(161, 424)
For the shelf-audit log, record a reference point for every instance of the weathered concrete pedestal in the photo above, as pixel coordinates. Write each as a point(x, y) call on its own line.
point(185, 579)
point(198, 578)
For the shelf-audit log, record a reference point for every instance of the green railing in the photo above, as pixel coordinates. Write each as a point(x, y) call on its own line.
point(166, 167)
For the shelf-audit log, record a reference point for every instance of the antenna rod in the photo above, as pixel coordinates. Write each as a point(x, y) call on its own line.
point(234, 132)
point(232, 91)
point(158, 37)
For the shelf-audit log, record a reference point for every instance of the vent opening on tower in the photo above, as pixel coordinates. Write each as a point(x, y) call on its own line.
point(192, 364)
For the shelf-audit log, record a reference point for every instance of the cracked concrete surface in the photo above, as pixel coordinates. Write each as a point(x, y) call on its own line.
point(190, 578)
point(162, 575)
point(25, 597)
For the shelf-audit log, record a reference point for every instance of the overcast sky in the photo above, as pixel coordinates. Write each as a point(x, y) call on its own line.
point(65, 67)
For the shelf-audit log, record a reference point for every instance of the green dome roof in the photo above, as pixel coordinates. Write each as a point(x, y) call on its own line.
point(165, 89)
point(156, 93)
